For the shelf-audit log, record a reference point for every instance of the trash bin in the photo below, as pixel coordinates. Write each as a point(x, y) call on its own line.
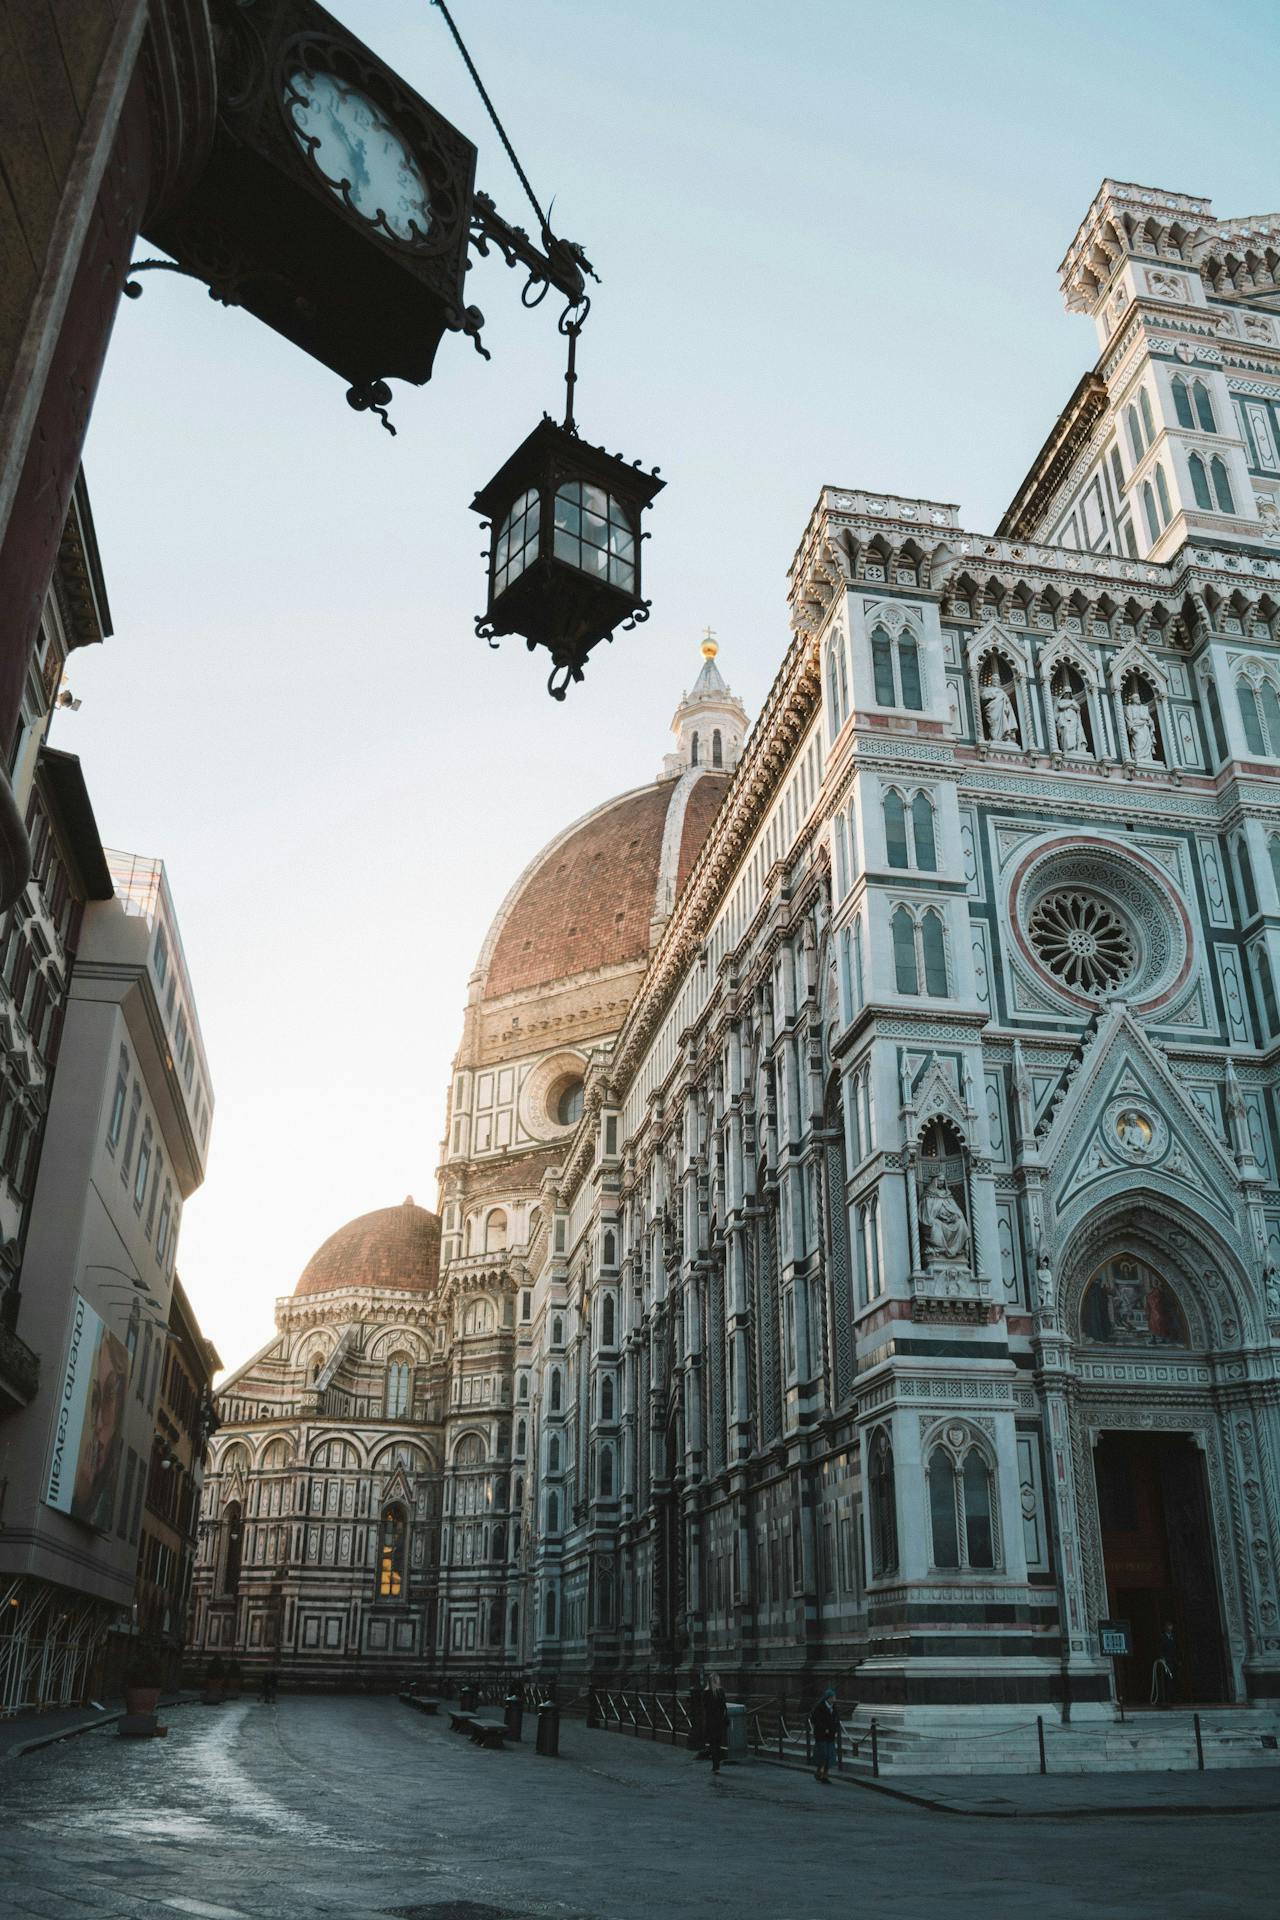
point(736, 1744)
point(513, 1714)
point(468, 1700)
point(548, 1728)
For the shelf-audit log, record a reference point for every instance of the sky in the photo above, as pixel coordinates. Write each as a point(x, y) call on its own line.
point(828, 237)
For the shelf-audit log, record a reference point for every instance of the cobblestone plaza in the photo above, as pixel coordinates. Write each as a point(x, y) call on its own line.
point(359, 1807)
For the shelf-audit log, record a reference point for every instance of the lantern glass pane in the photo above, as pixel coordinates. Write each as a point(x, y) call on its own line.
point(594, 533)
point(517, 541)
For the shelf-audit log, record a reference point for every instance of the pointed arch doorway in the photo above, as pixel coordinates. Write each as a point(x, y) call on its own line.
point(1156, 1537)
point(1158, 1561)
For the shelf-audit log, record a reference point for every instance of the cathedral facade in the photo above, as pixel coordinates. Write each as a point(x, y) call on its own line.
point(859, 1221)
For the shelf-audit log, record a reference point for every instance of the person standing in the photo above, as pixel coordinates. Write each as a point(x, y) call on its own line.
point(1164, 1676)
point(825, 1722)
point(715, 1721)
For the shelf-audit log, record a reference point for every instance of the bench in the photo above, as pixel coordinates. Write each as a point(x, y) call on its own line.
point(489, 1733)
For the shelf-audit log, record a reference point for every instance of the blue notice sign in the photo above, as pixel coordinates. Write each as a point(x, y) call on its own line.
point(1116, 1639)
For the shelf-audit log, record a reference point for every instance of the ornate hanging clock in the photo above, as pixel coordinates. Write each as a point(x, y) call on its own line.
point(336, 203)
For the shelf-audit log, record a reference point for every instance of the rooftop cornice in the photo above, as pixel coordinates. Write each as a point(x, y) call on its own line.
point(1126, 218)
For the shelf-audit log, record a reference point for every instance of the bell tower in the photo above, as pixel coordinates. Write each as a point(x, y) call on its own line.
point(710, 722)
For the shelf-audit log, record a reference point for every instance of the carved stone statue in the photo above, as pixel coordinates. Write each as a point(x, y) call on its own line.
point(1044, 1281)
point(1141, 728)
point(998, 715)
point(1271, 1288)
point(943, 1225)
point(1068, 724)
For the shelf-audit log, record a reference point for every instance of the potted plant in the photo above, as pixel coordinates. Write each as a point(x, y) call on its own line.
point(213, 1676)
point(231, 1681)
point(143, 1679)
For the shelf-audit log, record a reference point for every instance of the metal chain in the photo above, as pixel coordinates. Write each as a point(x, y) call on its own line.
point(501, 130)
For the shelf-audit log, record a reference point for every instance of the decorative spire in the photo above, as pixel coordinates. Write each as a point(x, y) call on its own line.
point(710, 722)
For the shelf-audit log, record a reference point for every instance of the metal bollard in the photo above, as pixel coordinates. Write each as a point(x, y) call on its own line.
point(1040, 1737)
point(548, 1741)
point(875, 1750)
point(514, 1715)
point(1199, 1744)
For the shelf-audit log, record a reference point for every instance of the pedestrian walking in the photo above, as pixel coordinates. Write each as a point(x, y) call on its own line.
point(825, 1722)
point(1164, 1674)
point(715, 1721)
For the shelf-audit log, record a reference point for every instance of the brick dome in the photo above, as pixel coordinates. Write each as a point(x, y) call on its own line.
point(394, 1247)
point(589, 898)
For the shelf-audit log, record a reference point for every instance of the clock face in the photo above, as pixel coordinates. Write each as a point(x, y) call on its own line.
point(359, 154)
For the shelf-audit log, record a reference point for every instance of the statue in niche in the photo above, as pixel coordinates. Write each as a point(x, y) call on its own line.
point(1271, 1289)
point(1068, 722)
point(943, 1226)
point(999, 716)
point(1044, 1281)
point(1140, 725)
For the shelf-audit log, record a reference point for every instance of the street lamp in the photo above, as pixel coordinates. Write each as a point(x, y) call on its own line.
point(564, 561)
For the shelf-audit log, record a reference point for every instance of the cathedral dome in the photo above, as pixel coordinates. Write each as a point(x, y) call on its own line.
point(591, 898)
point(395, 1247)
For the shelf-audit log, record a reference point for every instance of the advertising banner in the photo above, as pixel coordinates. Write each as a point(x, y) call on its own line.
point(88, 1430)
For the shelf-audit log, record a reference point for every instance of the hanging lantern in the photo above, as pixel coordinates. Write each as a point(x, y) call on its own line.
point(564, 561)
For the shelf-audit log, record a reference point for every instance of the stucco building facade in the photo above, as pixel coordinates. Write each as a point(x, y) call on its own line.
point(860, 1207)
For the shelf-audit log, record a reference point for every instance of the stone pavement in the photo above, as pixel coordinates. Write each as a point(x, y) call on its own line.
point(360, 1807)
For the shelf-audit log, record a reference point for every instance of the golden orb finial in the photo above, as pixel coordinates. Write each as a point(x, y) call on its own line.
point(710, 645)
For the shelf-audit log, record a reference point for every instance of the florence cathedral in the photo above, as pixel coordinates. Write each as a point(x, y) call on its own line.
point(858, 1232)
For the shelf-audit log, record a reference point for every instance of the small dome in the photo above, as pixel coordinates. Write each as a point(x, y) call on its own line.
point(394, 1247)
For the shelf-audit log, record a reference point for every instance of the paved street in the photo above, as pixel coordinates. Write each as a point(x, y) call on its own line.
point(363, 1808)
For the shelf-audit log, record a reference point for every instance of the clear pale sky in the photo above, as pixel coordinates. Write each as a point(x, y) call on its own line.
point(828, 235)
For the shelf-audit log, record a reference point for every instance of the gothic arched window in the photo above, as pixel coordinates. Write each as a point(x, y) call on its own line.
point(553, 1512)
point(607, 1318)
point(1162, 488)
point(233, 1523)
point(883, 1504)
point(693, 750)
point(1200, 483)
point(391, 1553)
point(549, 1611)
point(922, 833)
point(555, 1390)
point(934, 947)
point(522, 1436)
point(895, 670)
point(399, 1381)
point(553, 1454)
point(606, 1473)
point(895, 829)
point(1182, 402)
point(962, 1511)
point(609, 1251)
point(1221, 485)
point(495, 1231)
point(1149, 425)
point(606, 1397)
point(1204, 408)
point(1149, 509)
point(903, 927)
point(717, 748)
point(1135, 432)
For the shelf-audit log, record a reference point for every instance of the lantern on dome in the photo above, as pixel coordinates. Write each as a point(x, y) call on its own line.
point(564, 560)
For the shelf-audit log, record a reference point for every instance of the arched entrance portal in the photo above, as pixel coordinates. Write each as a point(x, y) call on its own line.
point(1157, 1457)
point(1157, 1555)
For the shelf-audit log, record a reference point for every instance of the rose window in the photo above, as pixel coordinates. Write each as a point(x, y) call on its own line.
point(1082, 941)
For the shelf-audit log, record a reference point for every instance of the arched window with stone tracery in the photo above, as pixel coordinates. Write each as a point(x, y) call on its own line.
point(961, 1487)
point(882, 1500)
point(392, 1537)
point(399, 1386)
